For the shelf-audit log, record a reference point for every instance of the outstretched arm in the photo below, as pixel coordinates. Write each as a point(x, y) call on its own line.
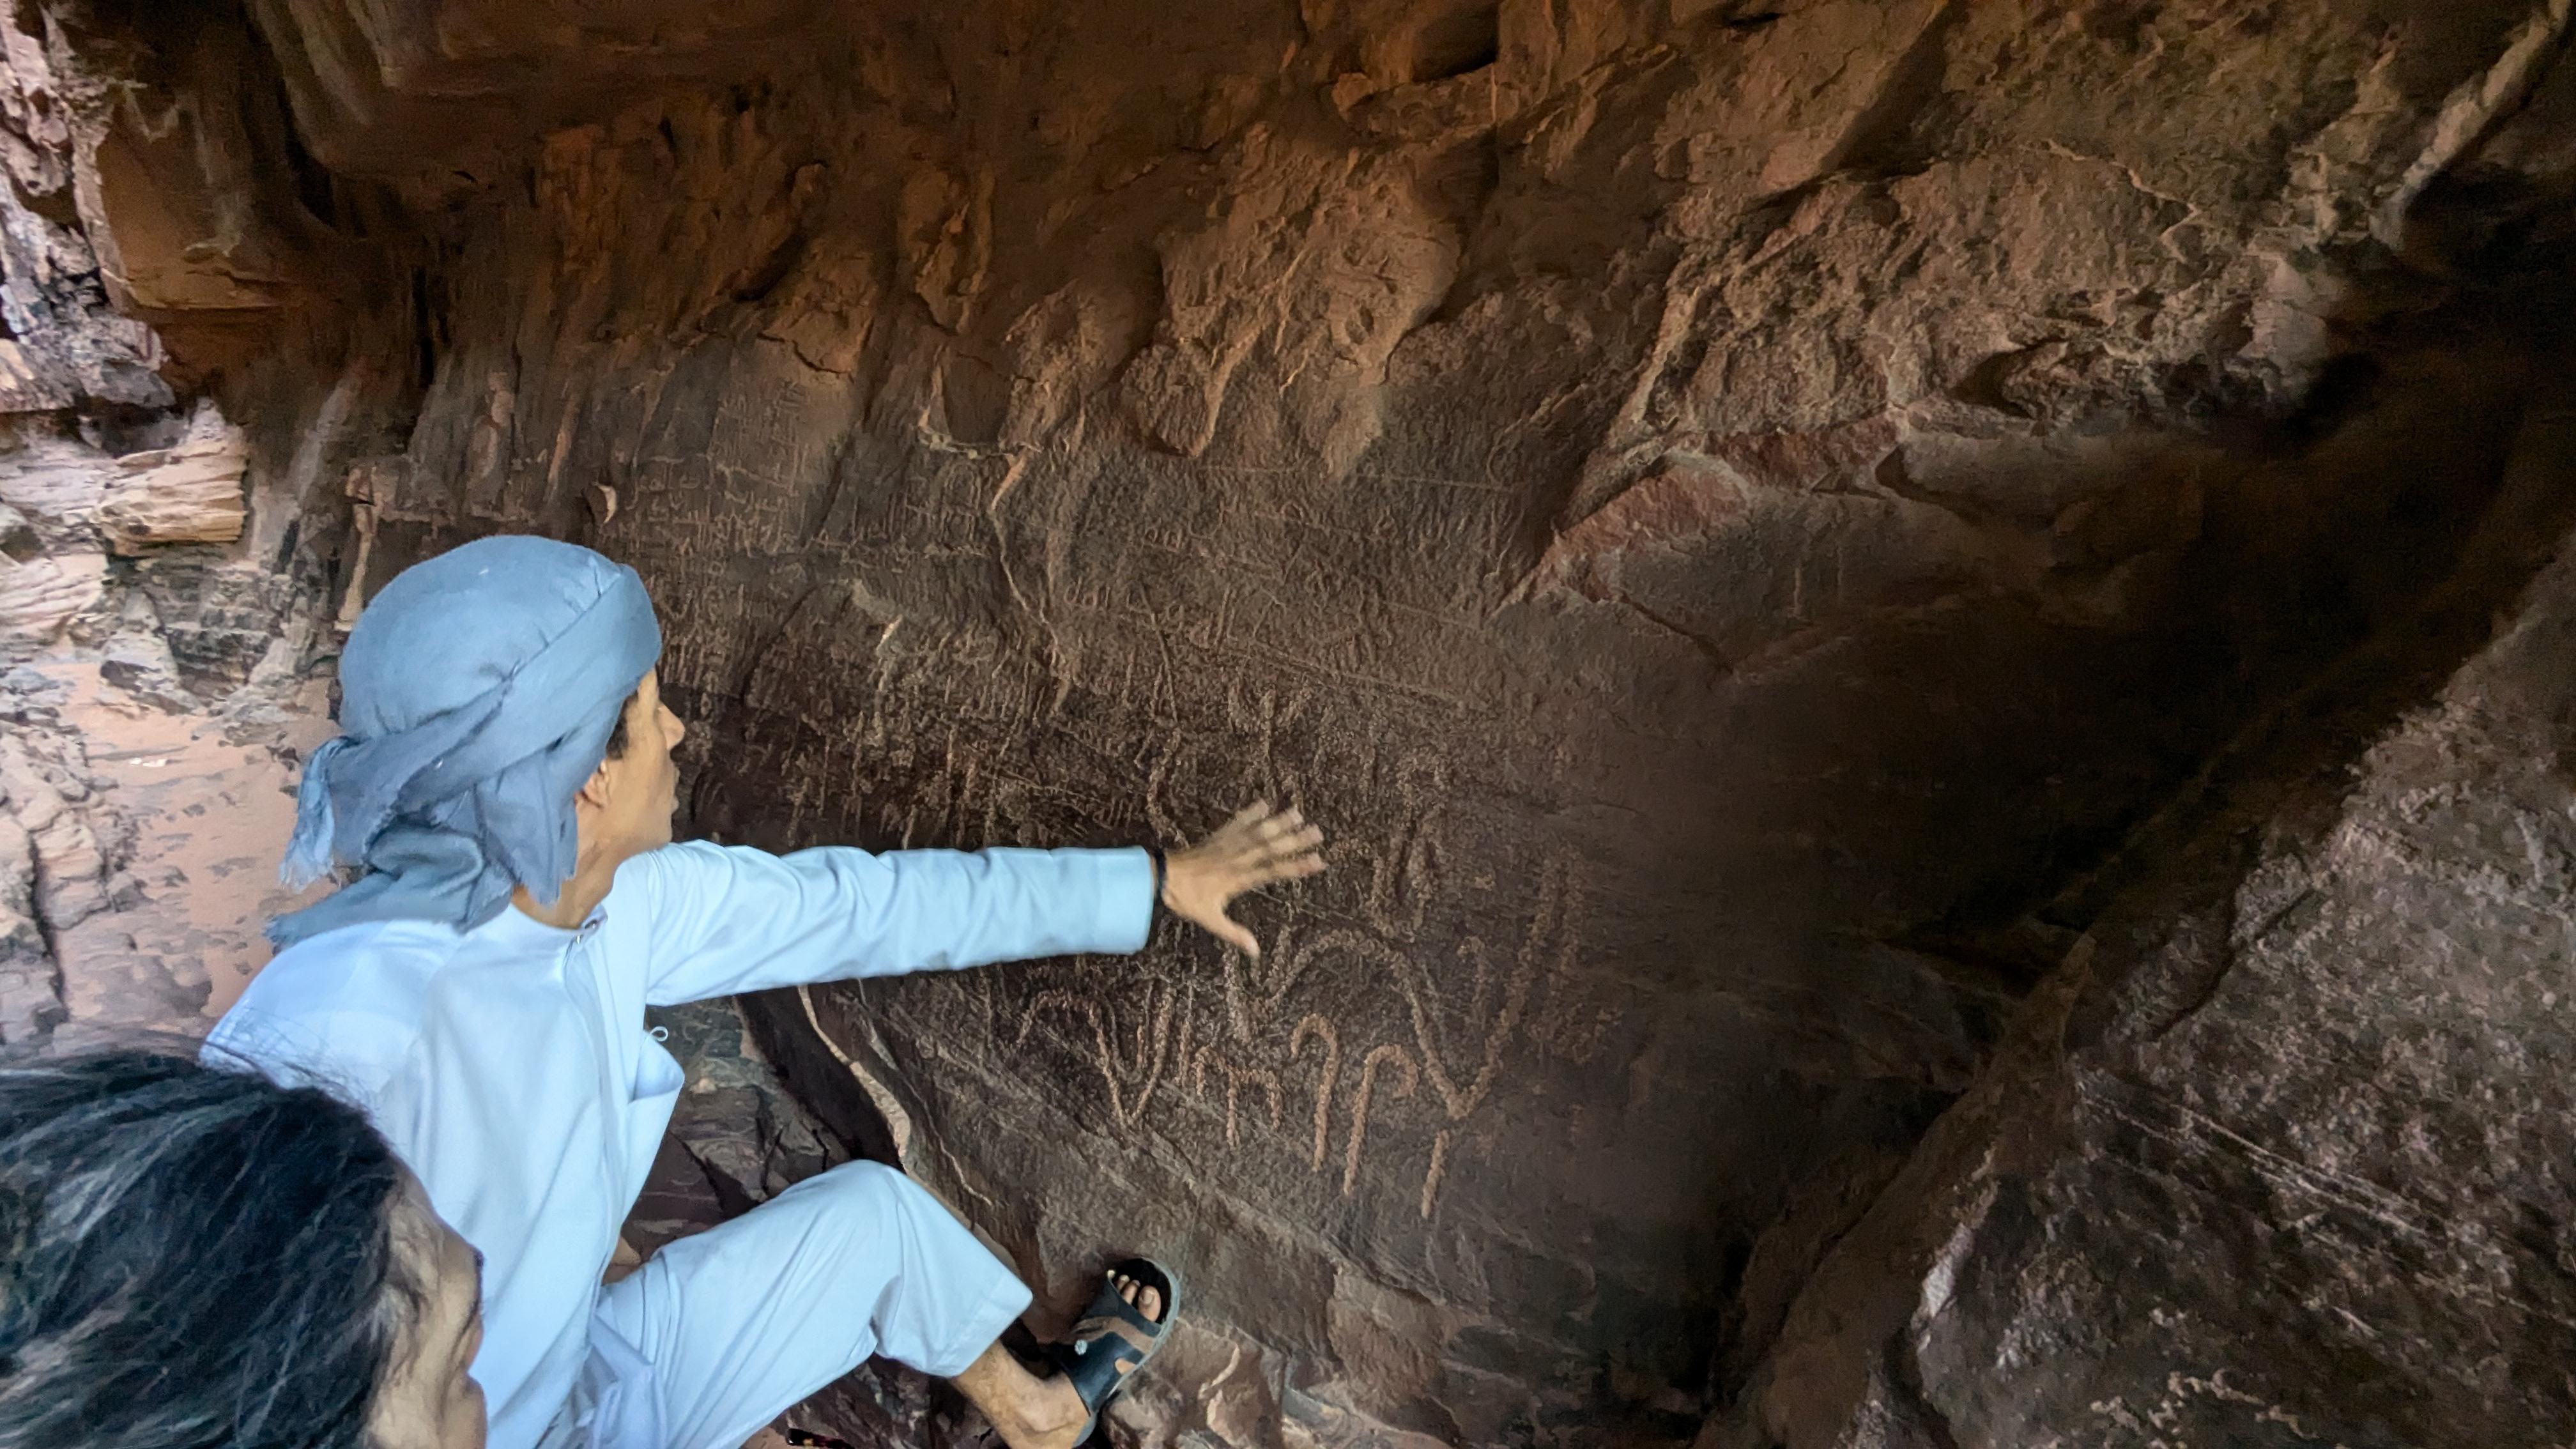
point(729, 919)
point(725, 920)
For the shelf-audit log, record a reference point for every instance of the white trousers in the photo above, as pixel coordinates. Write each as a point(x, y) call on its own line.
point(720, 1333)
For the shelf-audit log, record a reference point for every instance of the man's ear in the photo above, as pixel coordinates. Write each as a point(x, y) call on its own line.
point(595, 791)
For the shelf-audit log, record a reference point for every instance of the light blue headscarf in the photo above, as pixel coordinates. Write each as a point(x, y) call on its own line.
point(477, 694)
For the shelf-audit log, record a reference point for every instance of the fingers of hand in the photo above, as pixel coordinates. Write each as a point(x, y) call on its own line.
point(1283, 834)
point(1238, 835)
point(1256, 847)
point(1283, 823)
point(1287, 855)
point(1277, 847)
point(1291, 864)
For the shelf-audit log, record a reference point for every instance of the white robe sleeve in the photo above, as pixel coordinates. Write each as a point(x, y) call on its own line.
point(725, 919)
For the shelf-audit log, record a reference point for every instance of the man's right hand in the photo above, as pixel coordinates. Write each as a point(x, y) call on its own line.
point(1257, 847)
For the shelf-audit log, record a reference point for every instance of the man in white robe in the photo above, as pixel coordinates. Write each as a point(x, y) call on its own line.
point(505, 783)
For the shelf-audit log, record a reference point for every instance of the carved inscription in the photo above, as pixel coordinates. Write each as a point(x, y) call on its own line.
point(1132, 1060)
point(1378, 1057)
point(1463, 1009)
point(1319, 1029)
point(1234, 1076)
point(1387, 1016)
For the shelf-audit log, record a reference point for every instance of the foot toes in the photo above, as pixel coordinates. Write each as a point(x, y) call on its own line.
point(1146, 1299)
point(1143, 1297)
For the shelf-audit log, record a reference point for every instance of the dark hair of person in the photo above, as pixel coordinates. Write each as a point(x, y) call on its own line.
point(617, 740)
point(190, 1257)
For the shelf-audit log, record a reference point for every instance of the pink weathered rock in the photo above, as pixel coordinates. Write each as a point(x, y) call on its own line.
point(189, 493)
point(40, 596)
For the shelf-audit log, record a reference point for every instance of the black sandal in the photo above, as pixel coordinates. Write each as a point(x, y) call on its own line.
point(1113, 1340)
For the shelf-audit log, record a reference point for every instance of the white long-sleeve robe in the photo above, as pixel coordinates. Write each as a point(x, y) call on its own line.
point(511, 1069)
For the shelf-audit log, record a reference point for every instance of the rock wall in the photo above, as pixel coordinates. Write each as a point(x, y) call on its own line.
point(153, 650)
point(1753, 525)
point(2278, 1157)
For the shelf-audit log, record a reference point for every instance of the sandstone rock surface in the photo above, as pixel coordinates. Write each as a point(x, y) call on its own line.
point(2279, 1157)
point(1757, 527)
point(150, 706)
point(188, 493)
